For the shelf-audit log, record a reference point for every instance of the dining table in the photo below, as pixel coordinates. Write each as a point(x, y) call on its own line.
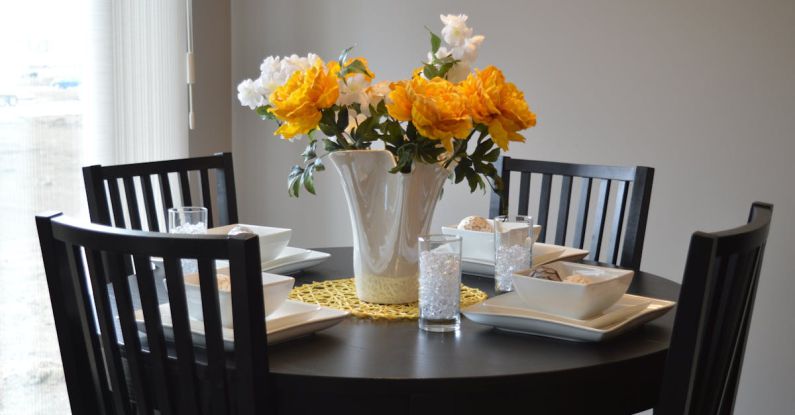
point(392, 367)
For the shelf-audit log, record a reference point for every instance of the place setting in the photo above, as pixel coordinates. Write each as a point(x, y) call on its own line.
point(285, 319)
point(544, 293)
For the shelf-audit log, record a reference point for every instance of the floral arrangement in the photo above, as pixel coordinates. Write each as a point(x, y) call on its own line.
point(430, 118)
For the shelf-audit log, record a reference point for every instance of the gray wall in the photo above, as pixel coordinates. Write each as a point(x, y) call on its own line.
point(212, 39)
point(704, 92)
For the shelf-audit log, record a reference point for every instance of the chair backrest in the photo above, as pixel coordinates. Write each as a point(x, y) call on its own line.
point(629, 213)
point(107, 365)
point(712, 318)
point(118, 204)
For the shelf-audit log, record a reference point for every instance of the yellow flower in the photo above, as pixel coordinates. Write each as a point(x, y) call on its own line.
point(435, 107)
point(299, 101)
point(497, 104)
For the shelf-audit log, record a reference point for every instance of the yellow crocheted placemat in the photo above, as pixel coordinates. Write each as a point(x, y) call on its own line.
point(341, 294)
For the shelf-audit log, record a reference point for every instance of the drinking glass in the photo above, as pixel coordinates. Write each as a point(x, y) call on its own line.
point(191, 220)
point(187, 219)
point(440, 282)
point(513, 249)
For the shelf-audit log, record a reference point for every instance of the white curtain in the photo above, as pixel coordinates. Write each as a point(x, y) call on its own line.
point(139, 93)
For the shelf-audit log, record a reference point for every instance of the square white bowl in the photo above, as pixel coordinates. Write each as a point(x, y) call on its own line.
point(479, 245)
point(275, 289)
point(579, 301)
point(271, 240)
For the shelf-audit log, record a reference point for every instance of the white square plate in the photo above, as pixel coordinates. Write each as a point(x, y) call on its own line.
point(293, 319)
point(508, 312)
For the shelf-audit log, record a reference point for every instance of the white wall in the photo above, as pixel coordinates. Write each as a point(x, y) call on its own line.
point(705, 93)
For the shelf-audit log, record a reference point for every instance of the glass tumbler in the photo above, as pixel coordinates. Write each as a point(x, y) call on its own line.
point(190, 220)
point(187, 219)
point(440, 282)
point(513, 249)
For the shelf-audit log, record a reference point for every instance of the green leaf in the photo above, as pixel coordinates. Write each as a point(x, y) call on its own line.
point(436, 42)
point(344, 55)
point(309, 153)
point(442, 71)
point(354, 67)
point(342, 119)
point(493, 155)
point(328, 125)
point(411, 132)
point(330, 145)
point(264, 112)
point(430, 71)
point(294, 180)
point(308, 179)
point(319, 166)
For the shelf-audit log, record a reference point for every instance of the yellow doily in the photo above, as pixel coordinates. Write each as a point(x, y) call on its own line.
point(341, 294)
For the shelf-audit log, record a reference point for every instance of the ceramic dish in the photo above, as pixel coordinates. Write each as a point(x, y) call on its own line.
point(478, 245)
point(271, 240)
point(542, 254)
point(509, 313)
point(290, 261)
point(573, 300)
point(275, 289)
point(293, 319)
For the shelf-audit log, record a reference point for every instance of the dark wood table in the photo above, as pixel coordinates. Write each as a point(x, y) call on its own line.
point(392, 367)
point(378, 367)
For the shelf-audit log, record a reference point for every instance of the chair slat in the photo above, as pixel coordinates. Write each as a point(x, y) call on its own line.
point(206, 196)
point(115, 269)
point(113, 403)
point(563, 210)
point(599, 220)
point(251, 340)
point(132, 203)
point(154, 333)
point(115, 202)
point(543, 205)
point(617, 223)
point(216, 363)
point(582, 213)
point(186, 359)
point(165, 195)
point(149, 204)
point(184, 185)
point(226, 196)
point(524, 193)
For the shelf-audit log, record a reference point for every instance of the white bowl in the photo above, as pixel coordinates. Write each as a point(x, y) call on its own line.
point(479, 245)
point(271, 240)
point(275, 289)
point(579, 301)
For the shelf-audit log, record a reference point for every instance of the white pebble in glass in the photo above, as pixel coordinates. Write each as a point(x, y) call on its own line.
point(440, 282)
point(513, 249)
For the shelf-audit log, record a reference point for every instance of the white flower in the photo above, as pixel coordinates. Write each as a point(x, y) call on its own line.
point(250, 94)
point(455, 30)
point(354, 89)
point(459, 72)
point(276, 71)
point(377, 92)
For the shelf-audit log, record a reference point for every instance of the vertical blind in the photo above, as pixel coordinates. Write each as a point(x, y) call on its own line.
point(141, 93)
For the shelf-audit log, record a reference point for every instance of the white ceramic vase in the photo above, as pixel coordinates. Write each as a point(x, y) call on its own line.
point(388, 211)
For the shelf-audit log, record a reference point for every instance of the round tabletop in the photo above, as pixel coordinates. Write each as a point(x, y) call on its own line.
point(393, 367)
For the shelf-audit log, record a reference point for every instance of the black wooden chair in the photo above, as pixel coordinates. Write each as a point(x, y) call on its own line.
point(159, 175)
point(712, 318)
point(628, 212)
point(110, 369)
